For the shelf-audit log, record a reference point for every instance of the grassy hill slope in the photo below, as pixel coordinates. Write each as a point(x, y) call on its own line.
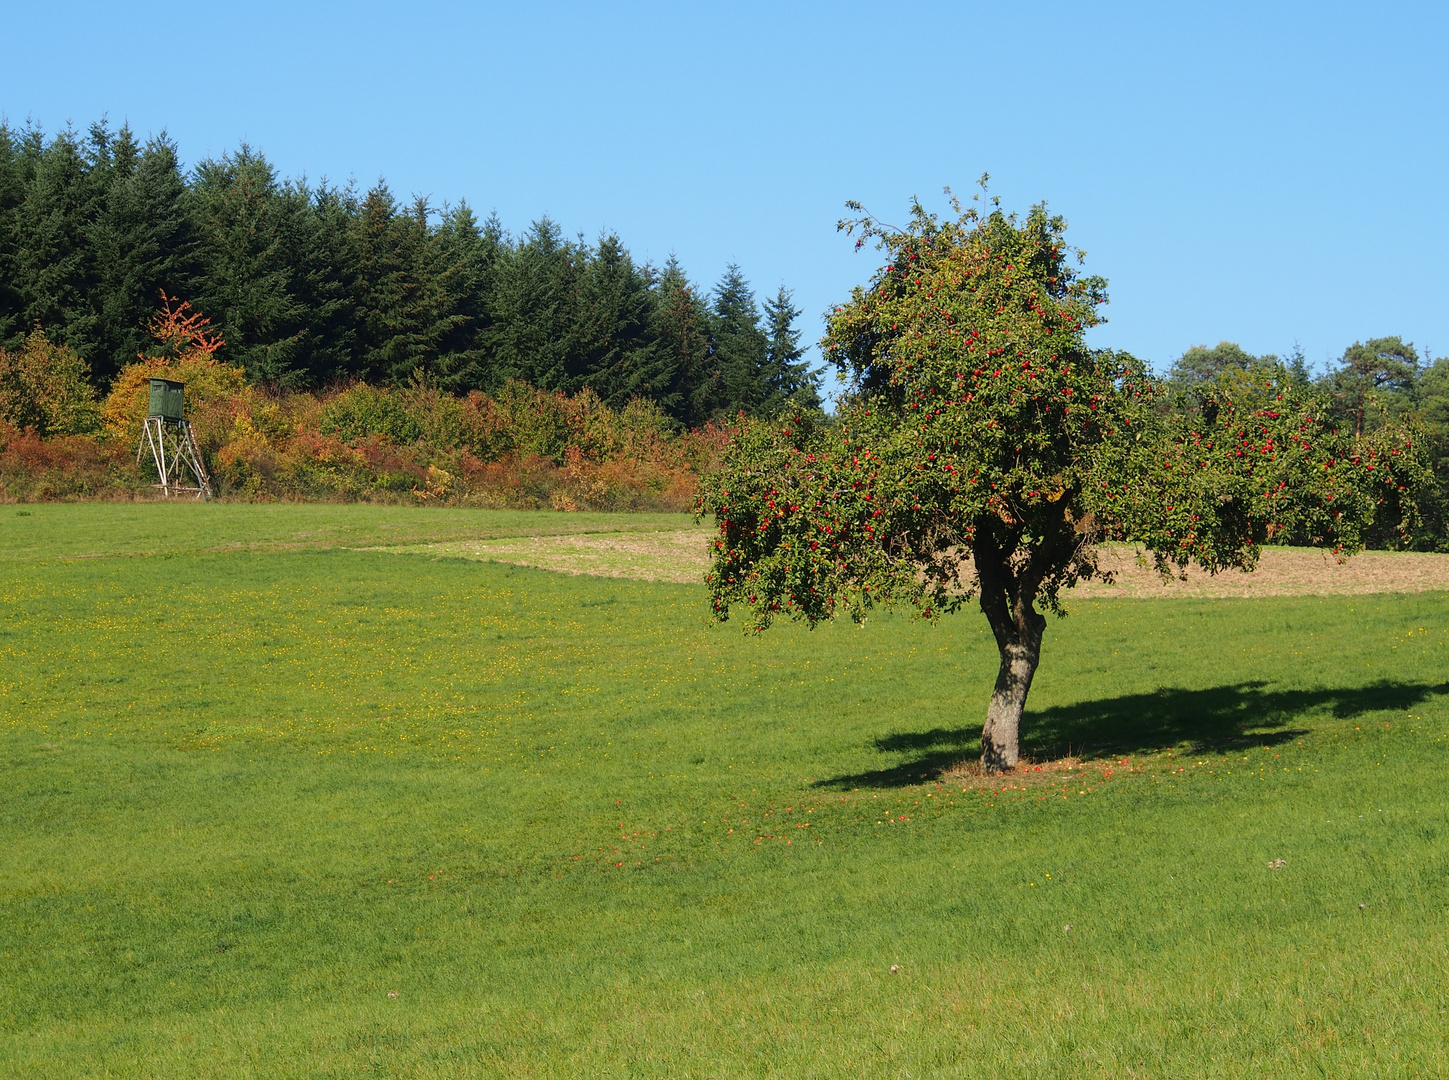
point(253, 789)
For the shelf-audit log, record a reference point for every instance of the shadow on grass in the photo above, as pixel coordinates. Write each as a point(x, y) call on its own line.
point(1205, 721)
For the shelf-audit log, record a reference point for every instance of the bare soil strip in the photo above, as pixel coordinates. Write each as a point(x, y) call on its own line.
point(682, 555)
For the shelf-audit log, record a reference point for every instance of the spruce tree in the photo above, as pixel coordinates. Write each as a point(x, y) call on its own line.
point(144, 242)
point(737, 344)
point(242, 216)
point(466, 255)
point(535, 309)
point(381, 287)
point(309, 286)
point(12, 194)
point(323, 284)
point(402, 298)
point(53, 264)
point(682, 339)
point(789, 382)
point(616, 355)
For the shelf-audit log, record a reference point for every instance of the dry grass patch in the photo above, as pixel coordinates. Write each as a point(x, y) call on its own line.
point(1280, 572)
point(677, 555)
point(1035, 774)
point(682, 555)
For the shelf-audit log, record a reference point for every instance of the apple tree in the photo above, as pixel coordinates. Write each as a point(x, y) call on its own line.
point(983, 451)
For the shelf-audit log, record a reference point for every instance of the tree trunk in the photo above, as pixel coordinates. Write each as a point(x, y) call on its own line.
point(1020, 648)
point(1008, 594)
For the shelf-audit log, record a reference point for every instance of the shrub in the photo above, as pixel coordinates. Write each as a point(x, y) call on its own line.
point(65, 468)
point(524, 448)
point(44, 387)
point(365, 412)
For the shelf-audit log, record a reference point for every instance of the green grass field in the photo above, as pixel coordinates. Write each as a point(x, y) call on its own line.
point(257, 781)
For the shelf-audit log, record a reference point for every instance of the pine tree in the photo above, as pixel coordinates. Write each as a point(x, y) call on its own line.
point(1376, 379)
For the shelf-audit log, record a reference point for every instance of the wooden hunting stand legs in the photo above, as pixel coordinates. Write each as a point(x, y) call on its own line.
point(175, 453)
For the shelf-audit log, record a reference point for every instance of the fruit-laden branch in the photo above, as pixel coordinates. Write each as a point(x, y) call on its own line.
point(984, 451)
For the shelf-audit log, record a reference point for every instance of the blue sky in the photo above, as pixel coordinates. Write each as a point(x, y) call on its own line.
point(1262, 173)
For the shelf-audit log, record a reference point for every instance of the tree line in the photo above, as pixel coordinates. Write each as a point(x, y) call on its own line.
point(1377, 383)
point(316, 285)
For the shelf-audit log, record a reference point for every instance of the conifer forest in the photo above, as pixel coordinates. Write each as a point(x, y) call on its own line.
point(313, 285)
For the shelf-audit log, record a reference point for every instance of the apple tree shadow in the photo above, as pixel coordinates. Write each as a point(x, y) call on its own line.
point(1213, 720)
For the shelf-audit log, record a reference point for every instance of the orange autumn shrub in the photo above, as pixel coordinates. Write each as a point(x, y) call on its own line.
point(65, 468)
point(184, 352)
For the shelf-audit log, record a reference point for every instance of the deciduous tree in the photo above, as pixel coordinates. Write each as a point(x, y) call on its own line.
point(184, 347)
point(985, 450)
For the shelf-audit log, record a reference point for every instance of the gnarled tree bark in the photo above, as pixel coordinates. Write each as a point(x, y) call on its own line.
point(1007, 601)
point(1020, 649)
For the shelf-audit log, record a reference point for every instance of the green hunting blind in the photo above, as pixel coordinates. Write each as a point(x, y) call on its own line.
point(168, 434)
point(168, 399)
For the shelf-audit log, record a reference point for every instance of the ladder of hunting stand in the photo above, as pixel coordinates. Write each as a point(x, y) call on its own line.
point(198, 465)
